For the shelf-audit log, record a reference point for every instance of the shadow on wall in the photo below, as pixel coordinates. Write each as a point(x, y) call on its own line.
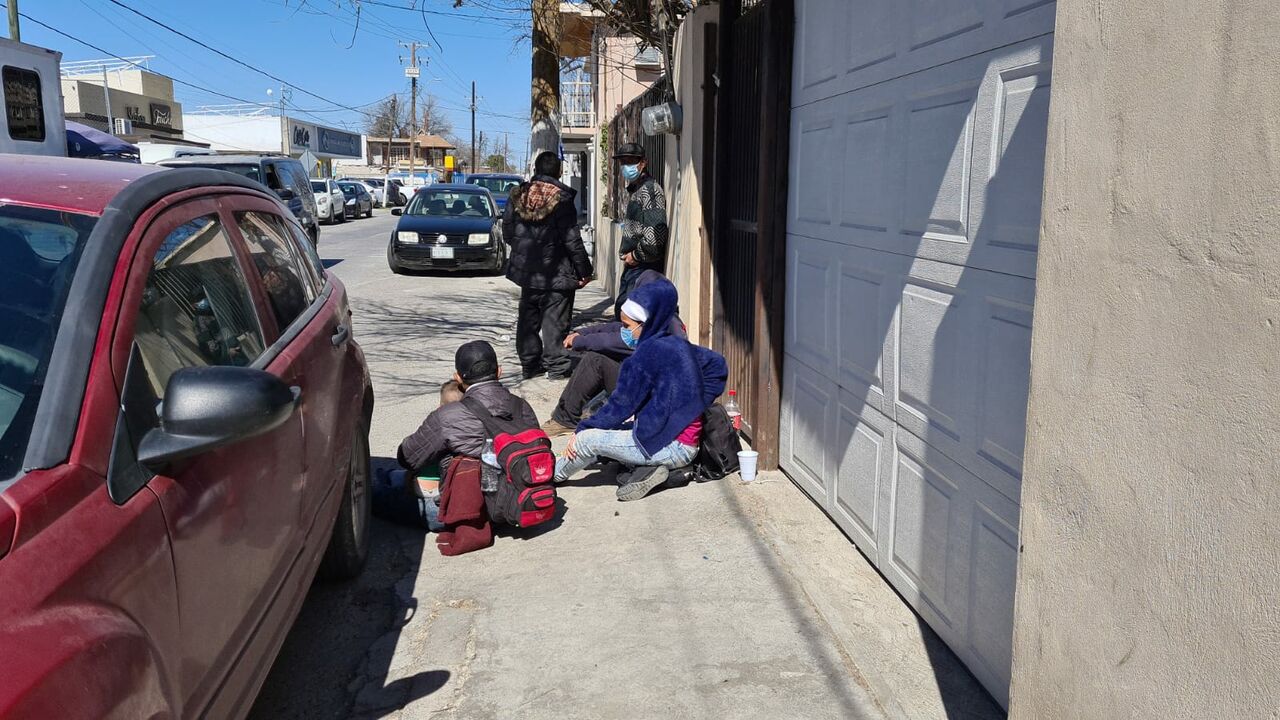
point(912, 267)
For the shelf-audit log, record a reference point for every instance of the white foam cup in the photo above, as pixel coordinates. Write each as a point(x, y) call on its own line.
point(747, 464)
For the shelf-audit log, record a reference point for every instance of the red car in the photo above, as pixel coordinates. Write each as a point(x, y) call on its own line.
point(183, 438)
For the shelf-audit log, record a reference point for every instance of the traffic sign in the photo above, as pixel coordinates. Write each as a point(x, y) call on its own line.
point(309, 162)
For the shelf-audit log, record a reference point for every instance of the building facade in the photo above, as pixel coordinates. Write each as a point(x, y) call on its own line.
point(122, 98)
point(1086, 526)
point(254, 129)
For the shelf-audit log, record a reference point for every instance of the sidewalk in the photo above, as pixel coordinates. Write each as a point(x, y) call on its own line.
point(719, 600)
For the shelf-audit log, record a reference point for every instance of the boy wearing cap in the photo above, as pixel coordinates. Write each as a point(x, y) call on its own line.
point(452, 429)
point(644, 228)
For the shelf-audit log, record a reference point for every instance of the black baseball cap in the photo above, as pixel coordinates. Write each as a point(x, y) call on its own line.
point(476, 361)
point(629, 150)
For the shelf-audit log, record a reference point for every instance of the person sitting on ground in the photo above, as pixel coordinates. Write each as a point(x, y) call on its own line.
point(600, 352)
point(452, 429)
point(411, 498)
point(666, 386)
point(450, 392)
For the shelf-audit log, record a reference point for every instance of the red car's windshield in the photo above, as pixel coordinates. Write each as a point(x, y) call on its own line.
point(39, 250)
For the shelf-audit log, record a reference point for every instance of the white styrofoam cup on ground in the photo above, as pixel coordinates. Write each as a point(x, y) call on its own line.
point(747, 464)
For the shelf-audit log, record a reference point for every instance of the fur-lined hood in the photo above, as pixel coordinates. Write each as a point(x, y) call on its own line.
point(535, 200)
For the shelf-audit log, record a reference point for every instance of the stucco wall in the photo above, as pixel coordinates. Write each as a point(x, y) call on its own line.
point(1151, 500)
point(685, 176)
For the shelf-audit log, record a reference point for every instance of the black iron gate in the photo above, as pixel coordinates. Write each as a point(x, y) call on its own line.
point(749, 242)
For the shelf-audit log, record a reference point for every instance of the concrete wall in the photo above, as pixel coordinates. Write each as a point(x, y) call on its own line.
point(230, 133)
point(1151, 562)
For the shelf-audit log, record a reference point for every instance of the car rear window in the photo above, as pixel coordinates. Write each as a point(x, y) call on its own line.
point(253, 172)
point(39, 250)
point(497, 186)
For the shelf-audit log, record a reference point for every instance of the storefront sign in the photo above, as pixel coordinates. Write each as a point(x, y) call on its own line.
point(300, 135)
point(161, 115)
point(337, 142)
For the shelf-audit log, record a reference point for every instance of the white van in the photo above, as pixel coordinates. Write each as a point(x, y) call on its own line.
point(153, 153)
point(33, 122)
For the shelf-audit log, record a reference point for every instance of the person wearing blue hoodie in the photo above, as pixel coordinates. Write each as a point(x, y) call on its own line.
point(653, 419)
point(600, 351)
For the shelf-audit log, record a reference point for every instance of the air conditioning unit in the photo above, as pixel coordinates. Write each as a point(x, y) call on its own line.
point(123, 126)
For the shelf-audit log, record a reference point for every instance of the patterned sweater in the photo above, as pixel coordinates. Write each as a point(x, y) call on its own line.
point(644, 230)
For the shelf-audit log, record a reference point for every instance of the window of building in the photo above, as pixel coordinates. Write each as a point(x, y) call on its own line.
point(23, 104)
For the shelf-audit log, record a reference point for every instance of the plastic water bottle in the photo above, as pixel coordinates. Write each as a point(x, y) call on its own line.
point(735, 413)
point(490, 472)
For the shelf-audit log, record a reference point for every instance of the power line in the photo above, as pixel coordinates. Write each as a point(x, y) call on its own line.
point(229, 57)
point(112, 55)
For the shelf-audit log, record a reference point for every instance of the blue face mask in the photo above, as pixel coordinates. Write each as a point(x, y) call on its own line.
point(631, 172)
point(628, 338)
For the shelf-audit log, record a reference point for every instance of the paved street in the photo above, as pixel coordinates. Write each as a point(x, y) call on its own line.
point(691, 603)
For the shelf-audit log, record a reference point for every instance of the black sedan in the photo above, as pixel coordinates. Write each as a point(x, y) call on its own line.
point(448, 227)
point(359, 201)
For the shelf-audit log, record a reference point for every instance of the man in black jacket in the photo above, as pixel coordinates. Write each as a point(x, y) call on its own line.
point(548, 262)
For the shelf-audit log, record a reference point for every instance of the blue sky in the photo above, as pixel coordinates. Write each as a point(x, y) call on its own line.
point(309, 43)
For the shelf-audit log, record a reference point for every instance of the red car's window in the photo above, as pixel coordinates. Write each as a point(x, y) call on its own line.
point(285, 275)
point(196, 307)
point(39, 250)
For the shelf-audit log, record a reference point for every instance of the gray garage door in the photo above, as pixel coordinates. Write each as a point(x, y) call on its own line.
point(917, 146)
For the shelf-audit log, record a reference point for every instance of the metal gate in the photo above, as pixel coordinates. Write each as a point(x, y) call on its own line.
point(734, 250)
point(748, 248)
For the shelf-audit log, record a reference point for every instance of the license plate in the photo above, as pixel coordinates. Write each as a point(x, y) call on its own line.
point(442, 253)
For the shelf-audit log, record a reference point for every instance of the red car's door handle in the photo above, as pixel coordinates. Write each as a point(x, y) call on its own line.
point(340, 335)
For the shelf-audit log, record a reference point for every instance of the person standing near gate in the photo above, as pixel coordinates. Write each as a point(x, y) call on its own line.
point(644, 228)
point(548, 262)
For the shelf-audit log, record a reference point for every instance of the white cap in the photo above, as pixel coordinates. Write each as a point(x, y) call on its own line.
point(635, 311)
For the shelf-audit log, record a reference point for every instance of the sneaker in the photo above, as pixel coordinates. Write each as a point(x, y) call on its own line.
point(554, 428)
point(531, 374)
point(643, 481)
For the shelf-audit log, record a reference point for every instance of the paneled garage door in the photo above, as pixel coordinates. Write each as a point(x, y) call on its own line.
point(917, 146)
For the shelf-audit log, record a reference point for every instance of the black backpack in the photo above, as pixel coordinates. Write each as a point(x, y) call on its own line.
point(526, 496)
point(718, 452)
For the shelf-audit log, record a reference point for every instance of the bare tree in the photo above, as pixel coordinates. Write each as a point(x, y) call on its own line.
point(434, 121)
point(389, 118)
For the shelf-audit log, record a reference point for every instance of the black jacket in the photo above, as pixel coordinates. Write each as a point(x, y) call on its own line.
point(540, 226)
point(453, 430)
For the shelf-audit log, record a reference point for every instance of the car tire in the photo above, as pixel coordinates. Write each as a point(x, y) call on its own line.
point(349, 544)
point(370, 213)
point(391, 262)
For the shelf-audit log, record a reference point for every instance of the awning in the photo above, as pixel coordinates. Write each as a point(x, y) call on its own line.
point(87, 142)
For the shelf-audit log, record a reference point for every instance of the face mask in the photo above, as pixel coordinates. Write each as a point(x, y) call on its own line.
point(628, 338)
point(631, 172)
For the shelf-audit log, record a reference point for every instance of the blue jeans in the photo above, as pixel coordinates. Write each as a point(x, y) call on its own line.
point(620, 445)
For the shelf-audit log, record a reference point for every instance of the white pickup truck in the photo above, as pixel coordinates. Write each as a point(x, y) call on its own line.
point(34, 122)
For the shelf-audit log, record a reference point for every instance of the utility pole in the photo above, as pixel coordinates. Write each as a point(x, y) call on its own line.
point(473, 127)
point(284, 124)
point(412, 71)
point(106, 97)
point(13, 21)
point(545, 91)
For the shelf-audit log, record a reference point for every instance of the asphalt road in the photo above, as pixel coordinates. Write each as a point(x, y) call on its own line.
point(409, 327)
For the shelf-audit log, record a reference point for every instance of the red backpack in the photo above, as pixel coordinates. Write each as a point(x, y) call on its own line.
point(528, 497)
